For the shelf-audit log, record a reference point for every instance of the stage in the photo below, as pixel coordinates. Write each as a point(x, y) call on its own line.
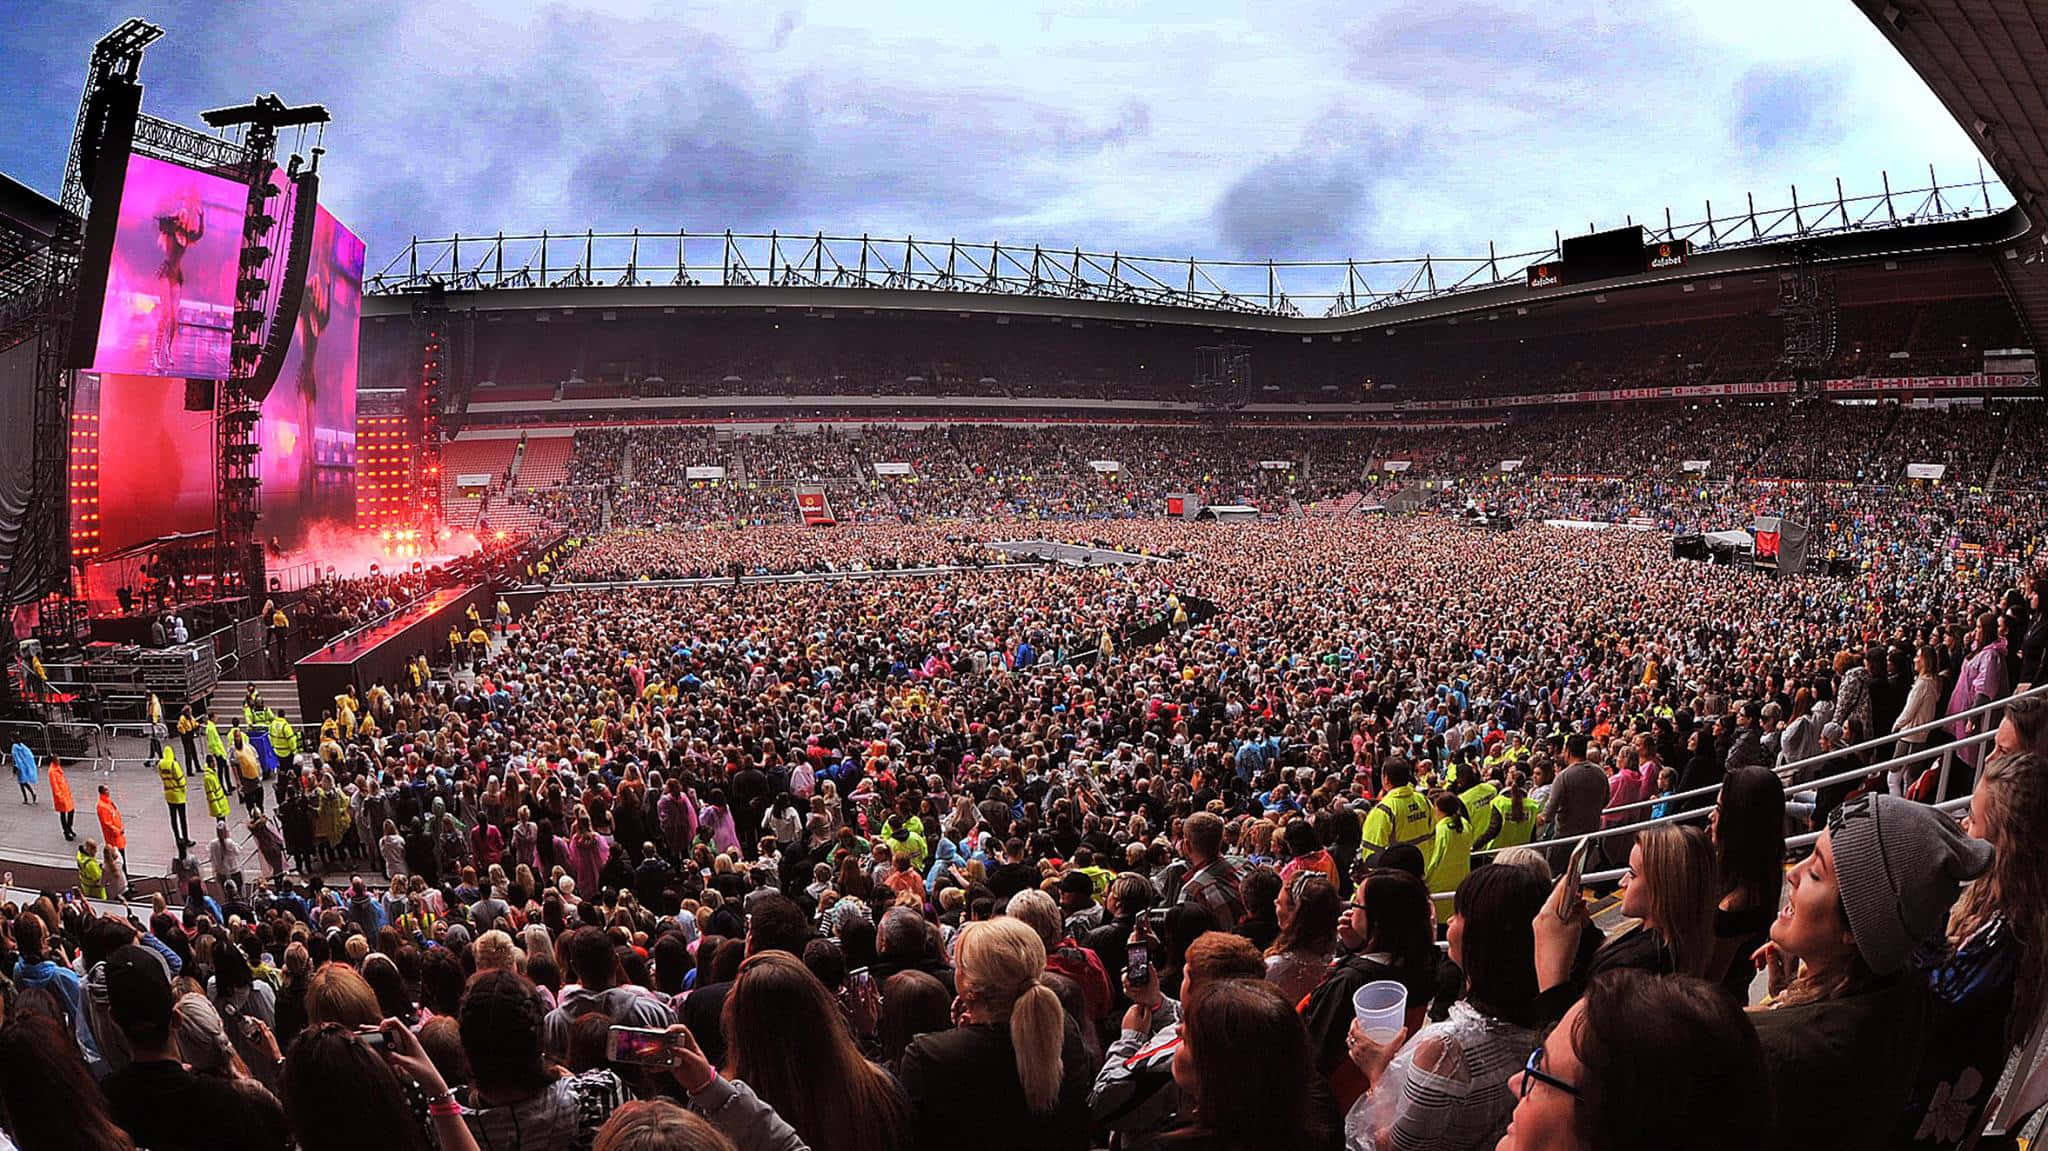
point(378, 651)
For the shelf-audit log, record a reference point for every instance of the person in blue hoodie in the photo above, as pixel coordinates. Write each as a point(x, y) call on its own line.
point(36, 967)
point(25, 771)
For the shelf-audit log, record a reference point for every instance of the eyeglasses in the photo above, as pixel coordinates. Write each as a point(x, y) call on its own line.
point(1532, 1072)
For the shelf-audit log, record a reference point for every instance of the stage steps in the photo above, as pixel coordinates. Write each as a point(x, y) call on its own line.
point(279, 695)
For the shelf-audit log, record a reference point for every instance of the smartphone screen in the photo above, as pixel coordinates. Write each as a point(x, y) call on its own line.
point(1574, 869)
point(639, 1045)
point(1138, 964)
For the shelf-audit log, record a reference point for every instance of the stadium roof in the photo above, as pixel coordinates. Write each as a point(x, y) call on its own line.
point(699, 268)
point(1959, 242)
point(1987, 61)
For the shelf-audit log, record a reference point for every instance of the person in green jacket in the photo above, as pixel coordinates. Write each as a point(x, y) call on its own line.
point(284, 739)
point(216, 794)
point(92, 878)
point(1513, 816)
point(1449, 859)
point(905, 839)
point(216, 747)
point(173, 777)
point(1401, 816)
point(1478, 801)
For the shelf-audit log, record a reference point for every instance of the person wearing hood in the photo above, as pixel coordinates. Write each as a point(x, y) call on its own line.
point(36, 966)
point(60, 798)
point(903, 838)
point(944, 858)
point(216, 793)
point(25, 771)
point(589, 850)
point(216, 747)
point(1851, 1028)
point(172, 777)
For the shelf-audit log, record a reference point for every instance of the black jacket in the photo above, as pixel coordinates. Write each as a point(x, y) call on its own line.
point(1747, 750)
point(1330, 1012)
point(1860, 1052)
point(963, 1083)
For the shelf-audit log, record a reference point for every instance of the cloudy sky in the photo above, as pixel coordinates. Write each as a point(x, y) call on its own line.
point(1284, 128)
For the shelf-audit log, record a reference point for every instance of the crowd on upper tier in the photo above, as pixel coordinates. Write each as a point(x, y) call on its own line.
point(1050, 857)
point(1790, 458)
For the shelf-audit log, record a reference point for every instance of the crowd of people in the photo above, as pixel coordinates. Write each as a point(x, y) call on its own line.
point(1839, 468)
point(1050, 857)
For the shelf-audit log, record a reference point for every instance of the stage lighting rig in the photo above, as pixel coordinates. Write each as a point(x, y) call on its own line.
point(268, 289)
point(266, 111)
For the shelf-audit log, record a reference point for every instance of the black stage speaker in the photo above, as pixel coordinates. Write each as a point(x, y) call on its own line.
point(198, 395)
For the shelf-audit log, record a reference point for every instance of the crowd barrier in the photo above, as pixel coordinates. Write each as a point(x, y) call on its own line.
point(93, 744)
point(1792, 772)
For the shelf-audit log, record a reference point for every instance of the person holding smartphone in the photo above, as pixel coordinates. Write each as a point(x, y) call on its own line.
point(516, 1096)
point(732, 1108)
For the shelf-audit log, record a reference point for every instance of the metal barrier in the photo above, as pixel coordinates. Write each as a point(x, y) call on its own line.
point(30, 733)
point(1807, 839)
point(113, 731)
point(88, 741)
point(1877, 744)
point(1944, 752)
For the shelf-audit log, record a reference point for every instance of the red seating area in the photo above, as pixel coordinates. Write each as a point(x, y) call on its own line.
point(468, 457)
point(458, 510)
point(546, 463)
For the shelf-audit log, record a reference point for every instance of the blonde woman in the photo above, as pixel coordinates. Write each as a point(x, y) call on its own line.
point(1012, 1070)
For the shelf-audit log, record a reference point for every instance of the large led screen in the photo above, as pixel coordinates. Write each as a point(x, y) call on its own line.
point(308, 429)
point(170, 303)
point(156, 462)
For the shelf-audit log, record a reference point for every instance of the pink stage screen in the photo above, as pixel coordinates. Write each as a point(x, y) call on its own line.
point(156, 462)
point(308, 430)
point(170, 302)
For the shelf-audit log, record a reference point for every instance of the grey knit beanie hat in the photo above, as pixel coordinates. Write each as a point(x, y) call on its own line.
point(1899, 866)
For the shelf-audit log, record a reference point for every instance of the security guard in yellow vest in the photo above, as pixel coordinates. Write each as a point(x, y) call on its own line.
point(1402, 816)
point(284, 739)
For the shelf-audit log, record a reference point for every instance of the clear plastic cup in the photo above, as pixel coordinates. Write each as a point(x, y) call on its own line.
point(1382, 1009)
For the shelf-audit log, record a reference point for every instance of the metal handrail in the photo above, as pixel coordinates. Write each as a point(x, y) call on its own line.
point(1874, 744)
point(1805, 839)
point(1945, 752)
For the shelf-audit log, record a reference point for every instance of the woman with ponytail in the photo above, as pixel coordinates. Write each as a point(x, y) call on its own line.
point(1012, 1073)
point(1450, 852)
point(1512, 822)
